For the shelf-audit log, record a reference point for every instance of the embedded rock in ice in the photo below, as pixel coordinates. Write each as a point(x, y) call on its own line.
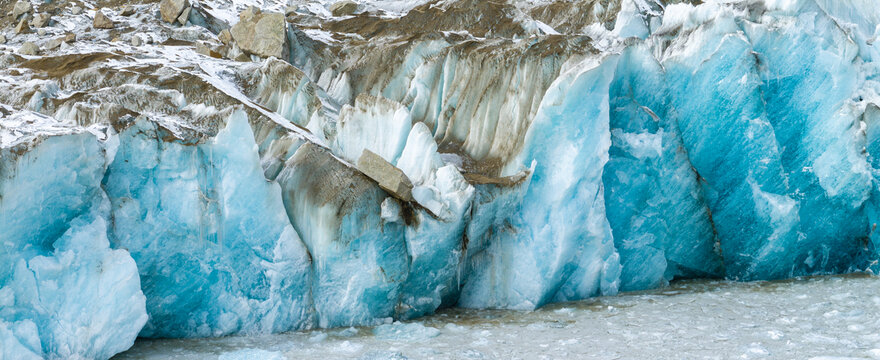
point(216, 253)
point(389, 178)
point(64, 293)
point(359, 261)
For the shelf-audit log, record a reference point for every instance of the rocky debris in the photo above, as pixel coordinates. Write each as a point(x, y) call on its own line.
point(389, 177)
point(136, 41)
point(2, 39)
point(171, 9)
point(262, 34)
point(21, 8)
point(343, 8)
point(69, 38)
point(102, 21)
point(225, 37)
point(76, 10)
point(29, 48)
point(40, 20)
point(22, 27)
point(128, 10)
point(204, 49)
point(184, 16)
point(54, 43)
point(236, 54)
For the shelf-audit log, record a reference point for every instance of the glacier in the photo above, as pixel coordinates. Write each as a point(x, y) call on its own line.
point(177, 186)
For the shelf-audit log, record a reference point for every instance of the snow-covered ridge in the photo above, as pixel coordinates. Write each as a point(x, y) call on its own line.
point(537, 152)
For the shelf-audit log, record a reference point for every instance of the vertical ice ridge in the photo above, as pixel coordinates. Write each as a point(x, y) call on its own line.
point(58, 262)
point(208, 233)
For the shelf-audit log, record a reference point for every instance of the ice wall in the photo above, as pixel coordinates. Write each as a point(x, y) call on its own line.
point(58, 265)
point(359, 261)
point(733, 139)
point(215, 250)
point(560, 247)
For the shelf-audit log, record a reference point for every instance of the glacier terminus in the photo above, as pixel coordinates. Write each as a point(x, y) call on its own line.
point(204, 168)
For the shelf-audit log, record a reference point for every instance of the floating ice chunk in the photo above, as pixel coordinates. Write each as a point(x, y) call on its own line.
point(250, 354)
point(405, 331)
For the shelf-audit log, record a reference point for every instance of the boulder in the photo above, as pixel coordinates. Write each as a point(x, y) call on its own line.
point(204, 49)
point(22, 27)
point(69, 37)
point(171, 9)
point(54, 43)
point(76, 10)
point(225, 37)
point(102, 21)
point(29, 48)
point(389, 177)
point(343, 8)
point(41, 20)
point(21, 8)
point(184, 16)
point(128, 10)
point(2, 39)
point(261, 34)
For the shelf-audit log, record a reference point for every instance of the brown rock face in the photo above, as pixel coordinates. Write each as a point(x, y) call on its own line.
point(102, 21)
point(390, 178)
point(171, 9)
point(262, 34)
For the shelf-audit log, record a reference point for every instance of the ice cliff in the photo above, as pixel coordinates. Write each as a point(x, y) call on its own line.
point(159, 177)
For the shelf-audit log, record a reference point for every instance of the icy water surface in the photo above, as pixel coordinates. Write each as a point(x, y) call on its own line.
point(833, 317)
